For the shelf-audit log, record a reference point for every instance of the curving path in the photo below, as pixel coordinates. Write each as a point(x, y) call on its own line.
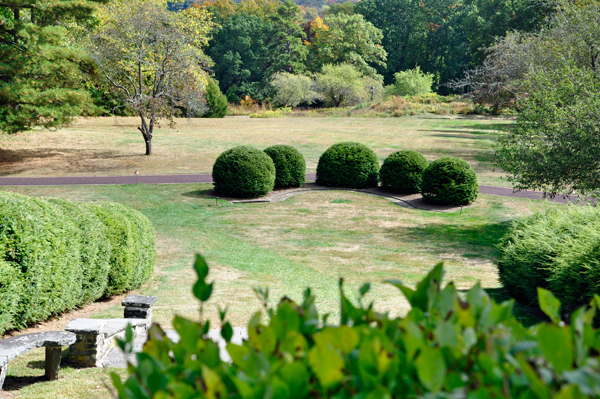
point(206, 178)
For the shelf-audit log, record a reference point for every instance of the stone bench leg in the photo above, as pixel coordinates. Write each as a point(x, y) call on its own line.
point(52, 362)
point(2, 377)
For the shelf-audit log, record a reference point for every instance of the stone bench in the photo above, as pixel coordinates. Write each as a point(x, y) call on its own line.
point(53, 341)
point(96, 337)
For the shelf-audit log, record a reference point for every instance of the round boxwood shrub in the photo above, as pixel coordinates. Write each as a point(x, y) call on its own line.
point(401, 172)
point(290, 166)
point(349, 164)
point(449, 180)
point(243, 172)
point(558, 249)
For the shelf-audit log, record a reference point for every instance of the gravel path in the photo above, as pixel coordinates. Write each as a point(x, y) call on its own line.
point(206, 178)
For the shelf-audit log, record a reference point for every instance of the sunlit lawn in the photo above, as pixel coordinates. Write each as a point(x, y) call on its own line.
point(114, 146)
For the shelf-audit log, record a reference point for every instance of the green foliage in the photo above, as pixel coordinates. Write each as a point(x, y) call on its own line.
point(554, 143)
point(412, 82)
point(343, 84)
point(449, 180)
point(132, 246)
point(290, 166)
point(346, 39)
point(448, 345)
point(292, 90)
point(243, 172)
point(40, 74)
point(558, 250)
point(401, 172)
point(55, 255)
point(272, 113)
point(348, 164)
point(95, 248)
point(216, 101)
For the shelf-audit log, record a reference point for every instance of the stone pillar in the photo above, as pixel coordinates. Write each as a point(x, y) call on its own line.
point(88, 349)
point(139, 307)
point(52, 362)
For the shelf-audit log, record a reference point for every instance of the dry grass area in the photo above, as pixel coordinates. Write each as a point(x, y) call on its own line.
point(114, 146)
point(311, 239)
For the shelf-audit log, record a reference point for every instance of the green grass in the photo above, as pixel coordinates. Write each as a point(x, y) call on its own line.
point(311, 239)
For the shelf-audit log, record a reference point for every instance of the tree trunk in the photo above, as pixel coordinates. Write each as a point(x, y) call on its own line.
point(147, 132)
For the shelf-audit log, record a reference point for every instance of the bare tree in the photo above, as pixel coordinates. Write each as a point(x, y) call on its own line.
point(153, 58)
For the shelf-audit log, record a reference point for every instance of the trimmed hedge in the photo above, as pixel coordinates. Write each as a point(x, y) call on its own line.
point(558, 249)
point(55, 255)
point(348, 164)
point(290, 166)
point(449, 180)
point(243, 172)
point(402, 171)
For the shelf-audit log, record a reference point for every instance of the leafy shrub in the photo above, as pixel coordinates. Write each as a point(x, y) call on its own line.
point(412, 82)
point(292, 90)
point(216, 101)
point(348, 164)
point(43, 246)
point(447, 346)
point(558, 249)
point(276, 113)
point(344, 84)
point(55, 255)
point(243, 172)
point(401, 172)
point(95, 248)
point(290, 166)
point(449, 180)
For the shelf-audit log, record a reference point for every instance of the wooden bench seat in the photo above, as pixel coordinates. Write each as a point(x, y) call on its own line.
point(53, 341)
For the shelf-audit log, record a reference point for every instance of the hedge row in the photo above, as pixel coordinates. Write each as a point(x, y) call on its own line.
point(56, 255)
point(247, 172)
point(558, 249)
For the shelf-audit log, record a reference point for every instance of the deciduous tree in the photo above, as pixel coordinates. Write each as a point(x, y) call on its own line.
point(153, 58)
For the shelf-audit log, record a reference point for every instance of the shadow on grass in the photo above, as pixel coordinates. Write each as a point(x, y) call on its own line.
point(208, 193)
point(470, 241)
point(488, 126)
point(463, 136)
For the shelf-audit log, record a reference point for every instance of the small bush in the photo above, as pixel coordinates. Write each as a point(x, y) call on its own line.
point(449, 180)
point(290, 166)
point(243, 172)
point(558, 249)
point(401, 172)
point(412, 82)
point(349, 164)
point(215, 100)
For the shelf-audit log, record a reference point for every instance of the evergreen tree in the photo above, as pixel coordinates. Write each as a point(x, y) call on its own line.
point(286, 51)
point(40, 73)
point(216, 101)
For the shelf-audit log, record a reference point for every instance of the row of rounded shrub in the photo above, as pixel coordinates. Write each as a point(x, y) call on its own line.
point(247, 172)
point(557, 249)
point(56, 255)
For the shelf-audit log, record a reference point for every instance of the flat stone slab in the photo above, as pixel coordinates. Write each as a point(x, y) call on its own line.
point(116, 357)
point(13, 347)
point(108, 327)
point(86, 325)
point(139, 301)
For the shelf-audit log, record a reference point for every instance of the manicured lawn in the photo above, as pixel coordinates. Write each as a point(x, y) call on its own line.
point(114, 146)
point(308, 240)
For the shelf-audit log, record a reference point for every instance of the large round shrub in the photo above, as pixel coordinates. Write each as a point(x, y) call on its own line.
point(290, 166)
point(559, 250)
point(401, 172)
point(349, 164)
point(449, 180)
point(243, 172)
